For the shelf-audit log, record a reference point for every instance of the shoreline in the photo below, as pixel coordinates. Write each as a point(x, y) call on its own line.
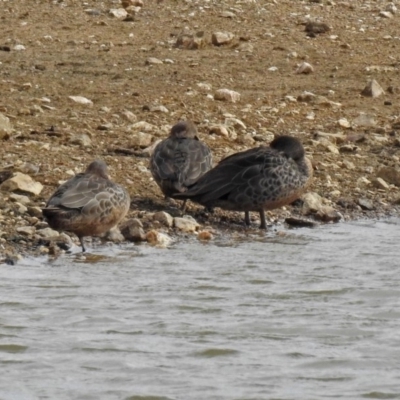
point(79, 84)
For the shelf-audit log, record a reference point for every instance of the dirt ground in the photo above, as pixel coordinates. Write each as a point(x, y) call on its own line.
point(77, 48)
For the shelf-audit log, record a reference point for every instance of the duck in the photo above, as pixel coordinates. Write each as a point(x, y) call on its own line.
point(88, 204)
point(180, 160)
point(258, 179)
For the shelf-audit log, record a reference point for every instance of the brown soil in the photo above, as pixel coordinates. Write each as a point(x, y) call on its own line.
point(72, 51)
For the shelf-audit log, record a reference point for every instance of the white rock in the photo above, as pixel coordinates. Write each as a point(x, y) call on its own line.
point(81, 100)
point(220, 38)
point(373, 89)
point(25, 200)
point(227, 95)
point(153, 61)
point(312, 202)
point(141, 139)
point(119, 13)
point(5, 127)
point(234, 122)
point(26, 230)
point(186, 224)
point(158, 239)
point(304, 68)
point(344, 123)
point(164, 218)
point(273, 69)
point(19, 47)
point(219, 130)
point(23, 183)
point(159, 108)
point(386, 14)
point(365, 120)
point(47, 233)
point(142, 126)
point(129, 116)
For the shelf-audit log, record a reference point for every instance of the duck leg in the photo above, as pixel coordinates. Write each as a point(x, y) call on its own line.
point(81, 241)
point(263, 224)
point(247, 218)
point(183, 208)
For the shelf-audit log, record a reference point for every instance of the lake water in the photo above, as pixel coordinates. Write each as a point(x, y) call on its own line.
point(313, 314)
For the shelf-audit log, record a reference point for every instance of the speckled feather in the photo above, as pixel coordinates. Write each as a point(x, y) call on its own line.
point(88, 204)
point(180, 160)
point(258, 179)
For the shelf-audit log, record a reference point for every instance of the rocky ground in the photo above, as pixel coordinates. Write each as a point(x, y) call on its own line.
point(106, 79)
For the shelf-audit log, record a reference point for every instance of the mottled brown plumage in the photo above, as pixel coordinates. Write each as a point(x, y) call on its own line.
point(180, 160)
point(262, 178)
point(89, 204)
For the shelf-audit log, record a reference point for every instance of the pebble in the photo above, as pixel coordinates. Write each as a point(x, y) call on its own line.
point(158, 239)
point(221, 38)
point(219, 130)
point(47, 233)
point(164, 218)
point(304, 68)
point(372, 89)
point(227, 95)
point(82, 140)
point(186, 224)
point(23, 183)
point(132, 230)
point(365, 204)
point(5, 127)
point(380, 183)
point(316, 28)
point(390, 175)
point(119, 13)
point(153, 61)
point(19, 47)
point(81, 100)
point(204, 236)
point(312, 202)
point(26, 230)
point(140, 140)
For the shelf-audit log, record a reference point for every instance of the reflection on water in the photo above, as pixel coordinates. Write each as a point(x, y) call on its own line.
point(309, 314)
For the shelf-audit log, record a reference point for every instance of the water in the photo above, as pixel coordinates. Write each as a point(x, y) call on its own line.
point(310, 315)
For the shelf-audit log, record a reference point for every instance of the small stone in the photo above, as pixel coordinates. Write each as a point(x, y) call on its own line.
point(5, 127)
point(142, 126)
point(365, 120)
point(47, 233)
point(316, 28)
point(119, 13)
point(82, 140)
point(386, 14)
point(158, 239)
point(153, 61)
point(158, 108)
point(186, 224)
point(304, 68)
point(191, 41)
point(132, 230)
point(114, 235)
point(164, 218)
point(140, 140)
point(219, 130)
point(221, 38)
point(388, 174)
point(234, 123)
point(344, 123)
point(129, 116)
point(312, 202)
point(26, 230)
point(81, 100)
point(35, 212)
point(204, 236)
point(328, 214)
point(228, 14)
point(21, 183)
point(300, 222)
point(380, 183)
point(373, 89)
point(365, 204)
point(25, 200)
point(227, 95)
point(19, 47)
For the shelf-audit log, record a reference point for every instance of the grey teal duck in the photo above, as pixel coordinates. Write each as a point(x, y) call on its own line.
point(262, 178)
point(89, 204)
point(180, 160)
